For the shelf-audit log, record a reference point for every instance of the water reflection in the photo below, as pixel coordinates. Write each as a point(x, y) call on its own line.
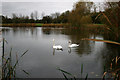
point(23, 30)
point(43, 59)
point(54, 50)
point(69, 50)
point(47, 31)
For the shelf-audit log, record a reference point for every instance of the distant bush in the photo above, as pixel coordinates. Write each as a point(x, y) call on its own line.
point(86, 19)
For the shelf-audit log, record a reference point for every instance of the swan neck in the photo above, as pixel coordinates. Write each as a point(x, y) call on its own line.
point(53, 42)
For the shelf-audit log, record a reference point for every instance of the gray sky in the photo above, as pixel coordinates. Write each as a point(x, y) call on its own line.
point(56, 0)
point(48, 0)
point(0, 7)
point(26, 7)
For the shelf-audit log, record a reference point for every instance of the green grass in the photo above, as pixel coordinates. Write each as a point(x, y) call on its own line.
point(38, 24)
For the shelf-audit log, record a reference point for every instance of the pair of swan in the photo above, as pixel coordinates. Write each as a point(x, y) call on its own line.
point(59, 47)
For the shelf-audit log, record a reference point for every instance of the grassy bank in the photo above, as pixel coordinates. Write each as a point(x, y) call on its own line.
point(33, 25)
point(46, 25)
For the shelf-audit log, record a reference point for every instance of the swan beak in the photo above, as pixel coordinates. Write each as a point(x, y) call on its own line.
point(61, 49)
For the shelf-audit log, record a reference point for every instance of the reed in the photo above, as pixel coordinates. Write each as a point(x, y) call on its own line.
point(81, 69)
point(113, 29)
point(114, 69)
point(73, 77)
point(112, 25)
point(101, 13)
point(9, 69)
point(99, 40)
point(64, 74)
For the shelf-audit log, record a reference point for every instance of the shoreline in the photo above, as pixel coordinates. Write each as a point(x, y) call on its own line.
point(33, 25)
point(65, 25)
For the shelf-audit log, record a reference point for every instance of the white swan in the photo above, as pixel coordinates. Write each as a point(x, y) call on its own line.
point(57, 47)
point(72, 45)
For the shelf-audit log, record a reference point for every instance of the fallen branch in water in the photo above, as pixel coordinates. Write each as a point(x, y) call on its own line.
point(106, 41)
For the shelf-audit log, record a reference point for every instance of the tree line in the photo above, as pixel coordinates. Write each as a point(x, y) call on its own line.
point(82, 13)
point(33, 18)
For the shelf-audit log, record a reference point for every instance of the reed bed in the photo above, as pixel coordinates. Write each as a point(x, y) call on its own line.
point(114, 71)
point(8, 68)
point(114, 68)
point(73, 77)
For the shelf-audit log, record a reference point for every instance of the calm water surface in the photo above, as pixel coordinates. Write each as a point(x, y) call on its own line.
point(41, 61)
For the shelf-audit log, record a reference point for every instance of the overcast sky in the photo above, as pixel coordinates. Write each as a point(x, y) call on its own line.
point(47, 0)
point(26, 7)
point(55, 0)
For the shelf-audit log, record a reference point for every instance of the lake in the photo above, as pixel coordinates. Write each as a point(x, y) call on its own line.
point(41, 61)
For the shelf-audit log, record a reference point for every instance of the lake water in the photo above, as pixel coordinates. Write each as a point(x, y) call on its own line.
point(41, 61)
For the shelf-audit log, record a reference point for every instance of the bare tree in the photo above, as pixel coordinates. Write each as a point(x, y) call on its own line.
point(43, 14)
point(14, 15)
point(36, 15)
point(31, 15)
point(55, 15)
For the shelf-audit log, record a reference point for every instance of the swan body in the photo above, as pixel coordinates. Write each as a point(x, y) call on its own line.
point(57, 47)
point(72, 45)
